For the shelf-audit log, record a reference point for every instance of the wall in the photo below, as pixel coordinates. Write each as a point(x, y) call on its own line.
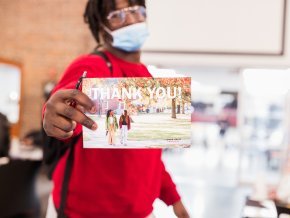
point(227, 33)
point(43, 37)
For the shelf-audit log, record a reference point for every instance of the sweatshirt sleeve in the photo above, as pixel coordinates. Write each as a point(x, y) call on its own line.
point(70, 77)
point(168, 192)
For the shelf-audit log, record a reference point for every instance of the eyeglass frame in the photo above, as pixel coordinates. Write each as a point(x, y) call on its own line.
point(124, 10)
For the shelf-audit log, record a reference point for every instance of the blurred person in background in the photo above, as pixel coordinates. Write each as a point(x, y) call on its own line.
point(281, 193)
point(103, 182)
point(4, 136)
point(18, 197)
point(30, 147)
point(33, 139)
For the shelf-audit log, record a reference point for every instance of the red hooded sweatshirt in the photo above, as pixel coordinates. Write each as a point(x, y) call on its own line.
point(111, 183)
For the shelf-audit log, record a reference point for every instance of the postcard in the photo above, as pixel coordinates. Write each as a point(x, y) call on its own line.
point(141, 112)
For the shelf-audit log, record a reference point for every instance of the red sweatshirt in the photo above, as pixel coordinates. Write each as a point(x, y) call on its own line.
point(111, 183)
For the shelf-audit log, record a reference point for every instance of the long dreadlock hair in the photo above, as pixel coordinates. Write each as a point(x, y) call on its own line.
point(96, 12)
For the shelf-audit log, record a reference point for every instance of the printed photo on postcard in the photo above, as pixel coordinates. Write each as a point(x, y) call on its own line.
point(139, 112)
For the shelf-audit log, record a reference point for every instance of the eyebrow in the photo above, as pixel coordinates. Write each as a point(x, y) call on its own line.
point(123, 6)
point(130, 3)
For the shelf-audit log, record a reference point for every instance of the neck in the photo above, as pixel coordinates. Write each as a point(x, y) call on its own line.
point(133, 57)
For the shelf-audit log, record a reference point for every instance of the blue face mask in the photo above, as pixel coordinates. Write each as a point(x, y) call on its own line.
point(129, 38)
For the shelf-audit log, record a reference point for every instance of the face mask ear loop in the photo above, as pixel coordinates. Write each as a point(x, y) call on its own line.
point(107, 30)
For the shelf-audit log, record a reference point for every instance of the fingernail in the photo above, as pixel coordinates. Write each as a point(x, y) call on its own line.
point(74, 125)
point(94, 126)
point(94, 109)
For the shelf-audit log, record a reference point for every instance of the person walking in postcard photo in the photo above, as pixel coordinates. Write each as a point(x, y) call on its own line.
point(111, 126)
point(125, 125)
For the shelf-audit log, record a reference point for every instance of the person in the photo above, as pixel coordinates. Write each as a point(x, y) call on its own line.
point(33, 139)
point(30, 147)
point(281, 192)
point(17, 179)
point(111, 127)
point(110, 183)
point(125, 125)
point(4, 136)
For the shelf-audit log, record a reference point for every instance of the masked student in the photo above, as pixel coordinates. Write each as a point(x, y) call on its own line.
point(105, 183)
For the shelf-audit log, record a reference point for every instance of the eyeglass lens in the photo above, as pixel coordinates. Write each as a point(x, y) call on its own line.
point(119, 17)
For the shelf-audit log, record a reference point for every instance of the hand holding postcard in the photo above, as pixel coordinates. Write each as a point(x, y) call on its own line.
point(141, 112)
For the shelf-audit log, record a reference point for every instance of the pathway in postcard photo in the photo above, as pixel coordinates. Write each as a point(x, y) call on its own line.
point(147, 131)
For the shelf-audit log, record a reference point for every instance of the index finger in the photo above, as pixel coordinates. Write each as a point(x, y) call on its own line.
point(73, 114)
point(74, 95)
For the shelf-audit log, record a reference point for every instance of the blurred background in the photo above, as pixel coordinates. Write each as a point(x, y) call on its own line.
point(237, 53)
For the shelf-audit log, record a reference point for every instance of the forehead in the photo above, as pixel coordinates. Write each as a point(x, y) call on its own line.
point(121, 4)
point(124, 3)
